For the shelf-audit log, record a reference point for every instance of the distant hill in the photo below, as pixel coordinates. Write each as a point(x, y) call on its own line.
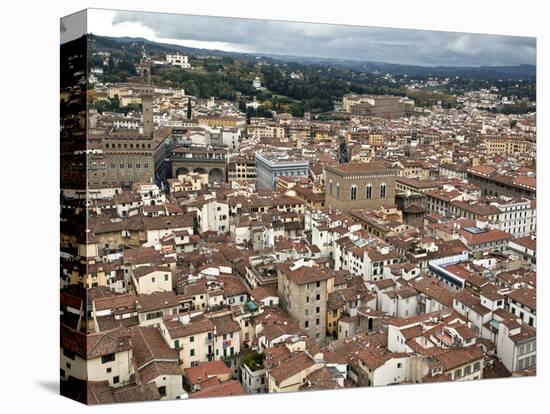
point(136, 43)
point(526, 72)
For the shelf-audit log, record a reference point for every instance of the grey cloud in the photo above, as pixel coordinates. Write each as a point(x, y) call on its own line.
point(72, 26)
point(344, 42)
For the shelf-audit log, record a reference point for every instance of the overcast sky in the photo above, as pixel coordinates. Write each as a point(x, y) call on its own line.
point(415, 47)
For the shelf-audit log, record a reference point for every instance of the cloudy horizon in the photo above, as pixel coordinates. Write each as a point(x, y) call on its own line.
point(362, 43)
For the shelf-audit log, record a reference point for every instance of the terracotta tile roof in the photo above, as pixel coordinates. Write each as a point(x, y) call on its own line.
point(99, 392)
point(524, 181)
point(225, 325)
point(525, 333)
point(96, 345)
point(156, 369)
point(71, 300)
point(384, 283)
point(525, 296)
point(137, 392)
point(359, 166)
point(232, 286)
point(455, 358)
point(157, 301)
point(433, 289)
point(148, 345)
point(374, 358)
point(472, 301)
point(168, 222)
point(262, 292)
point(304, 274)
point(488, 236)
point(275, 355)
point(291, 367)
point(463, 330)
point(528, 242)
point(223, 389)
point(142, 271)
point(412, 332)
point(109, 322)
point(206, 370)
point(421, 318)
point(178, 330)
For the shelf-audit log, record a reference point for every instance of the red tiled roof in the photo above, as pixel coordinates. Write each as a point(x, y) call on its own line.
point(223, 389)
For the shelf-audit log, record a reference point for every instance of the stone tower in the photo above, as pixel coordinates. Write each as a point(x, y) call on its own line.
point(146, 93)
point(147, 109)
point(343, 151)
point(144, 68)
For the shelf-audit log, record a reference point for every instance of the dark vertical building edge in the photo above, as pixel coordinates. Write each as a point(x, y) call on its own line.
point(73, 146)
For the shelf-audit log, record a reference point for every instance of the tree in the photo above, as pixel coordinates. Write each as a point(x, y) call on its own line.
point(189, 110)
point(242, 106)
point(249, 113)
point(115, 103)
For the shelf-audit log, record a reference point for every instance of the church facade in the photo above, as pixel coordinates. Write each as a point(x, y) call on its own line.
point(354, 186)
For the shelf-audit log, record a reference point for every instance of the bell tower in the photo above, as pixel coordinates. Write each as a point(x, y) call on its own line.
point(146, 94)
point(147, 109)
point(343, 150)
point(144, 68)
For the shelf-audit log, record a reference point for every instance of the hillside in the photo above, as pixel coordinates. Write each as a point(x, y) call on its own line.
point(298, 84)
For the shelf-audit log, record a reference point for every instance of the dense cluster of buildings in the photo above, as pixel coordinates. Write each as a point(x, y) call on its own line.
point(208, 256)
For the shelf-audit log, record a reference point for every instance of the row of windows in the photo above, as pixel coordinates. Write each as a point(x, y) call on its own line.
point(154, 315)
point(126, 146)
point(527, 362)
point(467, 370)
point(248, 175)
point(317, 310)
point(515, 215)
point(353, 191)
point(521, 314)
point(317, 322)
point(129, 165)
point(527, 348)
point(165, 278)
point(317, 284)
point(289, 173)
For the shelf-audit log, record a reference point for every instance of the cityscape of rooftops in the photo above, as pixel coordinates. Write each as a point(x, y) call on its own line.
point(252, 206)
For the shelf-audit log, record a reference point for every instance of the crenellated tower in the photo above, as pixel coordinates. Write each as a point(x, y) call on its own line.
point(146, 93)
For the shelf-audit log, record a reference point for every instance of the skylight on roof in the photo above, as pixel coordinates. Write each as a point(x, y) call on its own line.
point(474, 230)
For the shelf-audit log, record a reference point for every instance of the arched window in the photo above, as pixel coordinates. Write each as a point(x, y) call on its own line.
point(382, 190)
point(368, 191)
point(353, 192)
point(337, 190)
point(330, 187)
